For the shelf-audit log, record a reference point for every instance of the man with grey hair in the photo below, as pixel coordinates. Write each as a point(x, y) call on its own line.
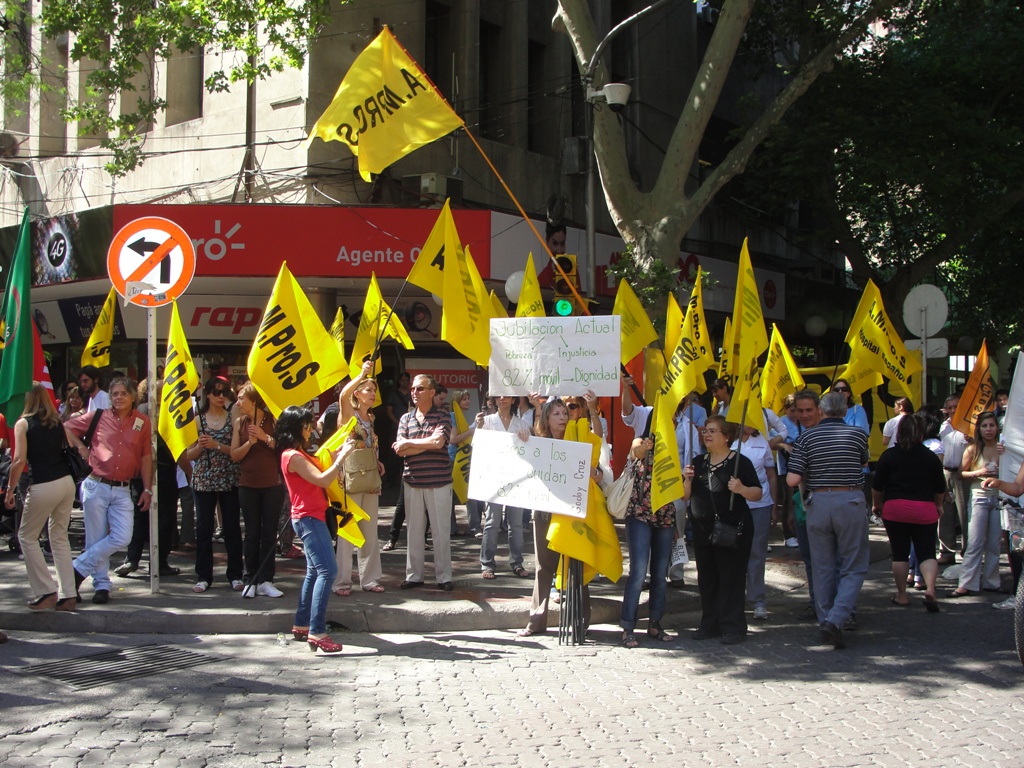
point(829, 460)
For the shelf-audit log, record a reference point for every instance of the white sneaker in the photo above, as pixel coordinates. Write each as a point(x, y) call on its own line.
point(792, 543)
point(249, 591)
point(760, 612)
point(1006, 605)
point(267, 589)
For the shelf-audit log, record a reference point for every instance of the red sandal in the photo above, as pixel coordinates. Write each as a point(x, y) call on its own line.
point(324, 646)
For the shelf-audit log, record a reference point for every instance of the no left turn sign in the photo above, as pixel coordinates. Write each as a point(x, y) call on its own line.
point(151, 261)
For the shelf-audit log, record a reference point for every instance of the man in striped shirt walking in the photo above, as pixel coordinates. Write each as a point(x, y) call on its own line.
point(829, 460)
point(423, 435)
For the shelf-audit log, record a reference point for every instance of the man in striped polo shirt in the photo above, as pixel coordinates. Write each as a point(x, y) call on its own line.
point(829, 460)
point(423, 435)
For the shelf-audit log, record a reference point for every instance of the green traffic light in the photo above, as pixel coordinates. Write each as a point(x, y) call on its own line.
point(563, 308)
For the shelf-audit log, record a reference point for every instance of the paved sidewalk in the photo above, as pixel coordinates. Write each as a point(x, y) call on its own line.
point(474, 605)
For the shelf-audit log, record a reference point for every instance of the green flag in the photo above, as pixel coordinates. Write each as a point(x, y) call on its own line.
point(16, 363)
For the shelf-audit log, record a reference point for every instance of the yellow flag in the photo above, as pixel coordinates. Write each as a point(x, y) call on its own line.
point(666, 475)
point(978, 396)
point(176, 421)
point(336, 490)
point(745, 406)
point(466, 311)
point(428, 271)
point(385, 107)
point(692, 354)
point(337, 329)
point(726, 364)
point(876, 350)
point(780, 377)
point(497, 308)
point(293, 359)
point(531, 303)
point(376, 323)
point(97, 349)
point(636, 328)
point(592, 540)
point(673, 324)
point(463, 453)
point(750, 337)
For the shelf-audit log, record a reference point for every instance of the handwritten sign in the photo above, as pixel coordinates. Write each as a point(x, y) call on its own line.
point(554, 355)
point(543, 474)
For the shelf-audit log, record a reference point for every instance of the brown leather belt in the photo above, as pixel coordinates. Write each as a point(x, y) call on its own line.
point(836, 488)
point(111, 483)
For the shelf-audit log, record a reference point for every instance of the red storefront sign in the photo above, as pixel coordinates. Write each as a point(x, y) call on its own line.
point(317, 241)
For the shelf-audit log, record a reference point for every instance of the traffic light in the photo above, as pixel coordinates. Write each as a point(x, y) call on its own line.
point(565, 303)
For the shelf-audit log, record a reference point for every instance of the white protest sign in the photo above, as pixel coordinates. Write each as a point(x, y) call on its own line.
point(554, 355)
point(543, 474)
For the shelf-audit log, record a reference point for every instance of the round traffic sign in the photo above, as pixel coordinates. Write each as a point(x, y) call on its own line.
point(151, 261)
point(925, 310)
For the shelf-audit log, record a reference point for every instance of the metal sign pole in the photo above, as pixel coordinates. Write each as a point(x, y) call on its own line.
point(154, 535)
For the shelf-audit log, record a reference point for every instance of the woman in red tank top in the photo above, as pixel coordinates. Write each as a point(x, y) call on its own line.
point(306, 482)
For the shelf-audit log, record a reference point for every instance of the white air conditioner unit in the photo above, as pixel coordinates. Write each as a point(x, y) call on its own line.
point(429, 189)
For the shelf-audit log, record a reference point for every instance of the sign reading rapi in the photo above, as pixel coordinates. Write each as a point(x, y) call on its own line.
point(549, 475)
point(554, 355)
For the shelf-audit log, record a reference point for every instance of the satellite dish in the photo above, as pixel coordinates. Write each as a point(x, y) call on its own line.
point(925, 310)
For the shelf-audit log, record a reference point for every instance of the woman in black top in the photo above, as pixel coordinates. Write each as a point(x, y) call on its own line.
point(716, 484)
point(907, 493)
point(39, 442)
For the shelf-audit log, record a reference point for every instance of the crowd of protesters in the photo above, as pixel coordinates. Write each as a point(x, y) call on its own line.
point(253, 478)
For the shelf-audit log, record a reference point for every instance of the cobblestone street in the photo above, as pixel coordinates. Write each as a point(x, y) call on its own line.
point(911, 689)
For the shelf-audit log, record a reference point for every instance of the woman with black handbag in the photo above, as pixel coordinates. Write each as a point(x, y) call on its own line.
point(39, 441)
point(362, 471)
point(718, 486)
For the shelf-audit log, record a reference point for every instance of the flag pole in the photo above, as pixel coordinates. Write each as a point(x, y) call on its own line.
point(583, 305)
point(739, 441)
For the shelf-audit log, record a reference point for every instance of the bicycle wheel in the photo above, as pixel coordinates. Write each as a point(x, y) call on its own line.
point(1018, 621)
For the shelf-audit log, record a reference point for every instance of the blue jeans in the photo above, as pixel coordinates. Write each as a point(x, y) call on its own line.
point(109, 516)
point(321, 569)
point(489, 542)
point(647, 546)
point(837, 530)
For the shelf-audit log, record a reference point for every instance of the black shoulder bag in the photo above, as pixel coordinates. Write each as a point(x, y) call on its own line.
point(79, 467)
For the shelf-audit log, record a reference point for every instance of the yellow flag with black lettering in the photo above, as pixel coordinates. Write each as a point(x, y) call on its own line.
point(176, 421)
point(336, 490)
point(876, 350)
point(781, 376)
point(376, 323)
point(385, 107)
point(337, 329)
point(592, 540)
point(979, 394)
point(97, 348)
point(531, 303)
point(725, 364)
point(463, 453)
point(692, 354)
point(294, 358)
point(428, 271)
point(635, 329)
point(666, 474)
point(466, 309)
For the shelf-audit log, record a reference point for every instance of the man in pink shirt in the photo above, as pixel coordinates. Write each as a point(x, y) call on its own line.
point(120, 450)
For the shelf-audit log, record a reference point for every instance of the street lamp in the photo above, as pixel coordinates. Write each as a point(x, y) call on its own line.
point(616, 95)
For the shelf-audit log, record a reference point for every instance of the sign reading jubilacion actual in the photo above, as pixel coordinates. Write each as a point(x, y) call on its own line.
point(554, 355)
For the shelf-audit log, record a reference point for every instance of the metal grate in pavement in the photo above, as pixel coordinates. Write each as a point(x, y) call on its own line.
point(114, 666)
